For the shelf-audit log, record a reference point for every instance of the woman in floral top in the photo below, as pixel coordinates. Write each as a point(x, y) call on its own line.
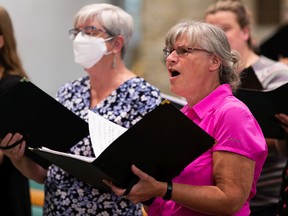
point(100, 36)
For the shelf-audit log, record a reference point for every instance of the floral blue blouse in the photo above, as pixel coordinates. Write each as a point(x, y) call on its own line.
point(67, 195)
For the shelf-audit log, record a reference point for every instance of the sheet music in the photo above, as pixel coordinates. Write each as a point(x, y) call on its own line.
point(79, 157)
point(102, 132)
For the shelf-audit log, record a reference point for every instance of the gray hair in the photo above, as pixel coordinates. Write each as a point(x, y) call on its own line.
point(115, 20)
point(212, 39)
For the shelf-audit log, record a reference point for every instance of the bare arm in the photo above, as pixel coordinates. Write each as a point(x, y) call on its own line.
point(233, 175)
point(25, 165)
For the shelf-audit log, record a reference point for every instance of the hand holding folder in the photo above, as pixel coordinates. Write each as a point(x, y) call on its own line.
point(161, 144)
point(41, 119)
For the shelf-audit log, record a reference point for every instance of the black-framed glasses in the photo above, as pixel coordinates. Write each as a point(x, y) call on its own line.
point(88, 30)
point(182, 51)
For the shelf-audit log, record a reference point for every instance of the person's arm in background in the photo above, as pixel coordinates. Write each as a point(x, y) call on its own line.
point(281, 145)
point(25, 165)
point(1, 157)
point(283, 60)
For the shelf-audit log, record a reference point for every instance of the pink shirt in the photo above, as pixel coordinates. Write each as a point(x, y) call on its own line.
point(234, 128)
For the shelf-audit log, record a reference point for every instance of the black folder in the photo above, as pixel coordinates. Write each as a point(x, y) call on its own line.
point(264, 105)
point(42, 120)
point(249, 80)
point(162, 143)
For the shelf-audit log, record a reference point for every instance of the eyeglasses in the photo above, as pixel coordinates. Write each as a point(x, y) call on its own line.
point(182, 51)
point(88, 30)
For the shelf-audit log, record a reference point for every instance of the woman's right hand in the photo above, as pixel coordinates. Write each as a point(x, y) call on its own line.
point(24, 164)
point(16, 153)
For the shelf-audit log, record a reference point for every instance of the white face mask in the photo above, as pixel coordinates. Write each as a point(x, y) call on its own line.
point(88, 50)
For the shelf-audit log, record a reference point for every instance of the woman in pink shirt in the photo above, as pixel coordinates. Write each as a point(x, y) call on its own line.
point(221, 181)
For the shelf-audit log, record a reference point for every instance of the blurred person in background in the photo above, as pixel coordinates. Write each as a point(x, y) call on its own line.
point(283, 146)
point(14, 187)
point(276, 46)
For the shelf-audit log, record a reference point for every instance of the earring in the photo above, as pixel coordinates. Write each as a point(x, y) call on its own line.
point(114, 62)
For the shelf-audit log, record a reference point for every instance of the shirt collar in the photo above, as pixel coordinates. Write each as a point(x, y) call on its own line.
point(209, 102)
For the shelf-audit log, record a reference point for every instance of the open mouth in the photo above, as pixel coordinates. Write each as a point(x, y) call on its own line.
point(174, 73)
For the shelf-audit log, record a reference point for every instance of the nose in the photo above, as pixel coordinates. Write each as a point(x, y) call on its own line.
point(172, 57)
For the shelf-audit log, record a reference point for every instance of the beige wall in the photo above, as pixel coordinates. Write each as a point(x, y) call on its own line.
point(157, 17)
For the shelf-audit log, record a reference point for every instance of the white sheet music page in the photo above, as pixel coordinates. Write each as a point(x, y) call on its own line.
point(102, 132)
point(79, 157)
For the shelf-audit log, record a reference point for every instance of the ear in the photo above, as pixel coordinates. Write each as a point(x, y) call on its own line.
point(118, 43)
point(1, 41)
point(246, 33)
point(215, 63)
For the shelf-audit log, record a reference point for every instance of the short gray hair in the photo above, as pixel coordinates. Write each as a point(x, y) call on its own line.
point(212, 39)
point(114, 19)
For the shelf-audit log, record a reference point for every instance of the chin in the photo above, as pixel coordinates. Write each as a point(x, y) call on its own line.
point(175, 90)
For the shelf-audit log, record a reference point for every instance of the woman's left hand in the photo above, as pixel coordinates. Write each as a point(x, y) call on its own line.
point(146, 188)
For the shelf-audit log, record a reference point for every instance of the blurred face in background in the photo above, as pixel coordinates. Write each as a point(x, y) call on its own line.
point(236, 35)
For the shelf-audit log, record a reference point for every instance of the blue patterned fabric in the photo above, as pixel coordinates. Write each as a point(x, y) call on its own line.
point(67, 195)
